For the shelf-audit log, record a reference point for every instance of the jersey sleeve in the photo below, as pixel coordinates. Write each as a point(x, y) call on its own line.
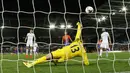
point(108, 34)
point(27, 34)
point(78, 34)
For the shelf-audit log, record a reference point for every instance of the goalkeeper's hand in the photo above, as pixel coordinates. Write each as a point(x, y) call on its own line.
point(78, 23)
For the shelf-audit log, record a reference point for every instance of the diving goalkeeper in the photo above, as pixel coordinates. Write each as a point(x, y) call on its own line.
point(67, 52)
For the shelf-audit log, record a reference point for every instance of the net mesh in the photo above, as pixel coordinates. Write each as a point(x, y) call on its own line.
point(15, 24)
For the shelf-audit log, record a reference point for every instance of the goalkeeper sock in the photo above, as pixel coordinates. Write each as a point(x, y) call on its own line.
point(40, 60)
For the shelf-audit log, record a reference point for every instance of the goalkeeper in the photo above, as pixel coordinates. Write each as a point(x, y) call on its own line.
point(60, 55)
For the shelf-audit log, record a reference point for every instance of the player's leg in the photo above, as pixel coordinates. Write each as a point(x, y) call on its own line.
point(53, 55)
point(27, 52)
point(30, 51)
point(83, 54)
point(85, 59)
point(62, 59)
point(31, 48)
point(107, 49)
point(100, 53)
point(98, 49)
point(102, 46)
point(27, 49)
point(58, 60)
point(35, 52)
point(39, 60)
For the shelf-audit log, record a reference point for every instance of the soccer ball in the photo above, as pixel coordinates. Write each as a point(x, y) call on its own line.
point(89, 9)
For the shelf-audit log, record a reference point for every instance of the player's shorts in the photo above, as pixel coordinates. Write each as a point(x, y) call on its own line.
point(57, 53)
point(104, 45)
point(67, 43)
point(98, 46)
point(29, 43)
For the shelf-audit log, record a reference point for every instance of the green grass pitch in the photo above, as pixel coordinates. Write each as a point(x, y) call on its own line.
point(116, 62)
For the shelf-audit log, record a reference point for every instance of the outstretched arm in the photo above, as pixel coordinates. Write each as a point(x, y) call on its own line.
point(78, 34)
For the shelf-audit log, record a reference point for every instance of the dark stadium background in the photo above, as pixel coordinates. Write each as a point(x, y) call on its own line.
point(14, 30)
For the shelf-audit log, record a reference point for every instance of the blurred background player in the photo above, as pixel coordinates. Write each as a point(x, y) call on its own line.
point(30, 38)
point(66, 39)
point(106, 40)
point(21, 49)
point(98, 46)
point(76, 48)
point(35, 47)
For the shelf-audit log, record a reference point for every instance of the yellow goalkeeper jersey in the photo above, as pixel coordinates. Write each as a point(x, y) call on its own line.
point(74, 49)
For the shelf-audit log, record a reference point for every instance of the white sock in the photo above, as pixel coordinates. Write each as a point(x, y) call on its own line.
point(30, 51)
point(100, 52)
point(26, 51)
point(107, 52)
point(34, 52)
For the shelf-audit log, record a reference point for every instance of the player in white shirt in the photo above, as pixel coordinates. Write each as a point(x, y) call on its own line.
point(106, 40)
point(30, 38)
point(35, 48)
